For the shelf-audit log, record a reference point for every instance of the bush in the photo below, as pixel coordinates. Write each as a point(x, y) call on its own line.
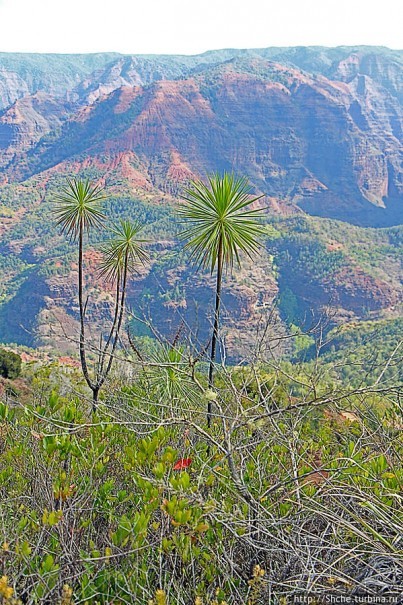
point(10, 364)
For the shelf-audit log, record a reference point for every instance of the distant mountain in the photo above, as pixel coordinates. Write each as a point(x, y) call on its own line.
point(328, 140)
point(22, 74)
point(316, 130)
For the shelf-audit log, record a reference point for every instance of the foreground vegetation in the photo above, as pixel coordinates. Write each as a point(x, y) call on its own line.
point(295, 490)
point(290, 487)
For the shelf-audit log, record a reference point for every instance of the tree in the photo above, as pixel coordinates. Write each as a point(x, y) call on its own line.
point(10, 364)
point(222, 225)
point(78, 211)
point(121, 255)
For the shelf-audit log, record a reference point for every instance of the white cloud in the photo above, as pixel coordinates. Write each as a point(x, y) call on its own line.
point(187, 26)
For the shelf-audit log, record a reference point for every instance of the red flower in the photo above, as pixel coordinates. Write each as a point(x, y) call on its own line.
point(182, 463)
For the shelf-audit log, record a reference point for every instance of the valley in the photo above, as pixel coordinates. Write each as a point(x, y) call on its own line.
point(317, 132)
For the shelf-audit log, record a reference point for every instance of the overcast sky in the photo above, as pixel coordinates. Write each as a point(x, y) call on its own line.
point(189, 26)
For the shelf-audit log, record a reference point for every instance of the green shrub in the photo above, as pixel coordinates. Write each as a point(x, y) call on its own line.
point(10, 364)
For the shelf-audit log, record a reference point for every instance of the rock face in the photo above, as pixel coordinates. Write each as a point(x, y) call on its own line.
point(26, 121)
point(24, 74)
point(12, 87)
point(331, 144)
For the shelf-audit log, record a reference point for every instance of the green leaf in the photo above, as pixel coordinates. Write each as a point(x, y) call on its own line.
point(48, 563)
point(221, 220)
point(123, 252)
point(77, 207)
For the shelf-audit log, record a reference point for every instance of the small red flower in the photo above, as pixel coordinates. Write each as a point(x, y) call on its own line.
point(182, 463)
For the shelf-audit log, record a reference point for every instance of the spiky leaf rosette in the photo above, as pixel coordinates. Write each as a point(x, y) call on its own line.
point(219, 211)
point(124, 251)
point(78, 207)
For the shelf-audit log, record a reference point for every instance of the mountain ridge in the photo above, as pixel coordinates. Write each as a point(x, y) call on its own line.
point(356, 127)
point(324, 141)
point(69, 69)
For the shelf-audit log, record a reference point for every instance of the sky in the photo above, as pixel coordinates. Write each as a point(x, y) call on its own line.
point(190, 26)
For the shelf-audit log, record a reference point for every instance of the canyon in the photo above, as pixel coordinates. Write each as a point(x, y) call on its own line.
point(317, 131)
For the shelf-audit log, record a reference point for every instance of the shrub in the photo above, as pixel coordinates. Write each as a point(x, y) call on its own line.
point(10, 364)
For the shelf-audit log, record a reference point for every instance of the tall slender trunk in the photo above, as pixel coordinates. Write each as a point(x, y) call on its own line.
point(118, 326)
point(95, 393)
point(111, 332)
point(215, 328)
point(81, 307)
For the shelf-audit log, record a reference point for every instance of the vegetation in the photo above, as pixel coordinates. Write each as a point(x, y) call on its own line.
point(359, 351)
point(77, 212)
point(222, 226)
point(10, 364)
point(292, 489)
point(32, 251)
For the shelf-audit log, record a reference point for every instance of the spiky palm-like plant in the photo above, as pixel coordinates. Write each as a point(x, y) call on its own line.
point(122, 254)
point(77, 212)
point(222, 224)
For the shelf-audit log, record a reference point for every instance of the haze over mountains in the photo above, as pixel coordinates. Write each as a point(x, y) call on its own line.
point(316, 130)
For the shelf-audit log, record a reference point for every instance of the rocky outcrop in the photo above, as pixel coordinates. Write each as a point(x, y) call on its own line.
point(12, 87)
point(26, 121)
point(24, 74)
